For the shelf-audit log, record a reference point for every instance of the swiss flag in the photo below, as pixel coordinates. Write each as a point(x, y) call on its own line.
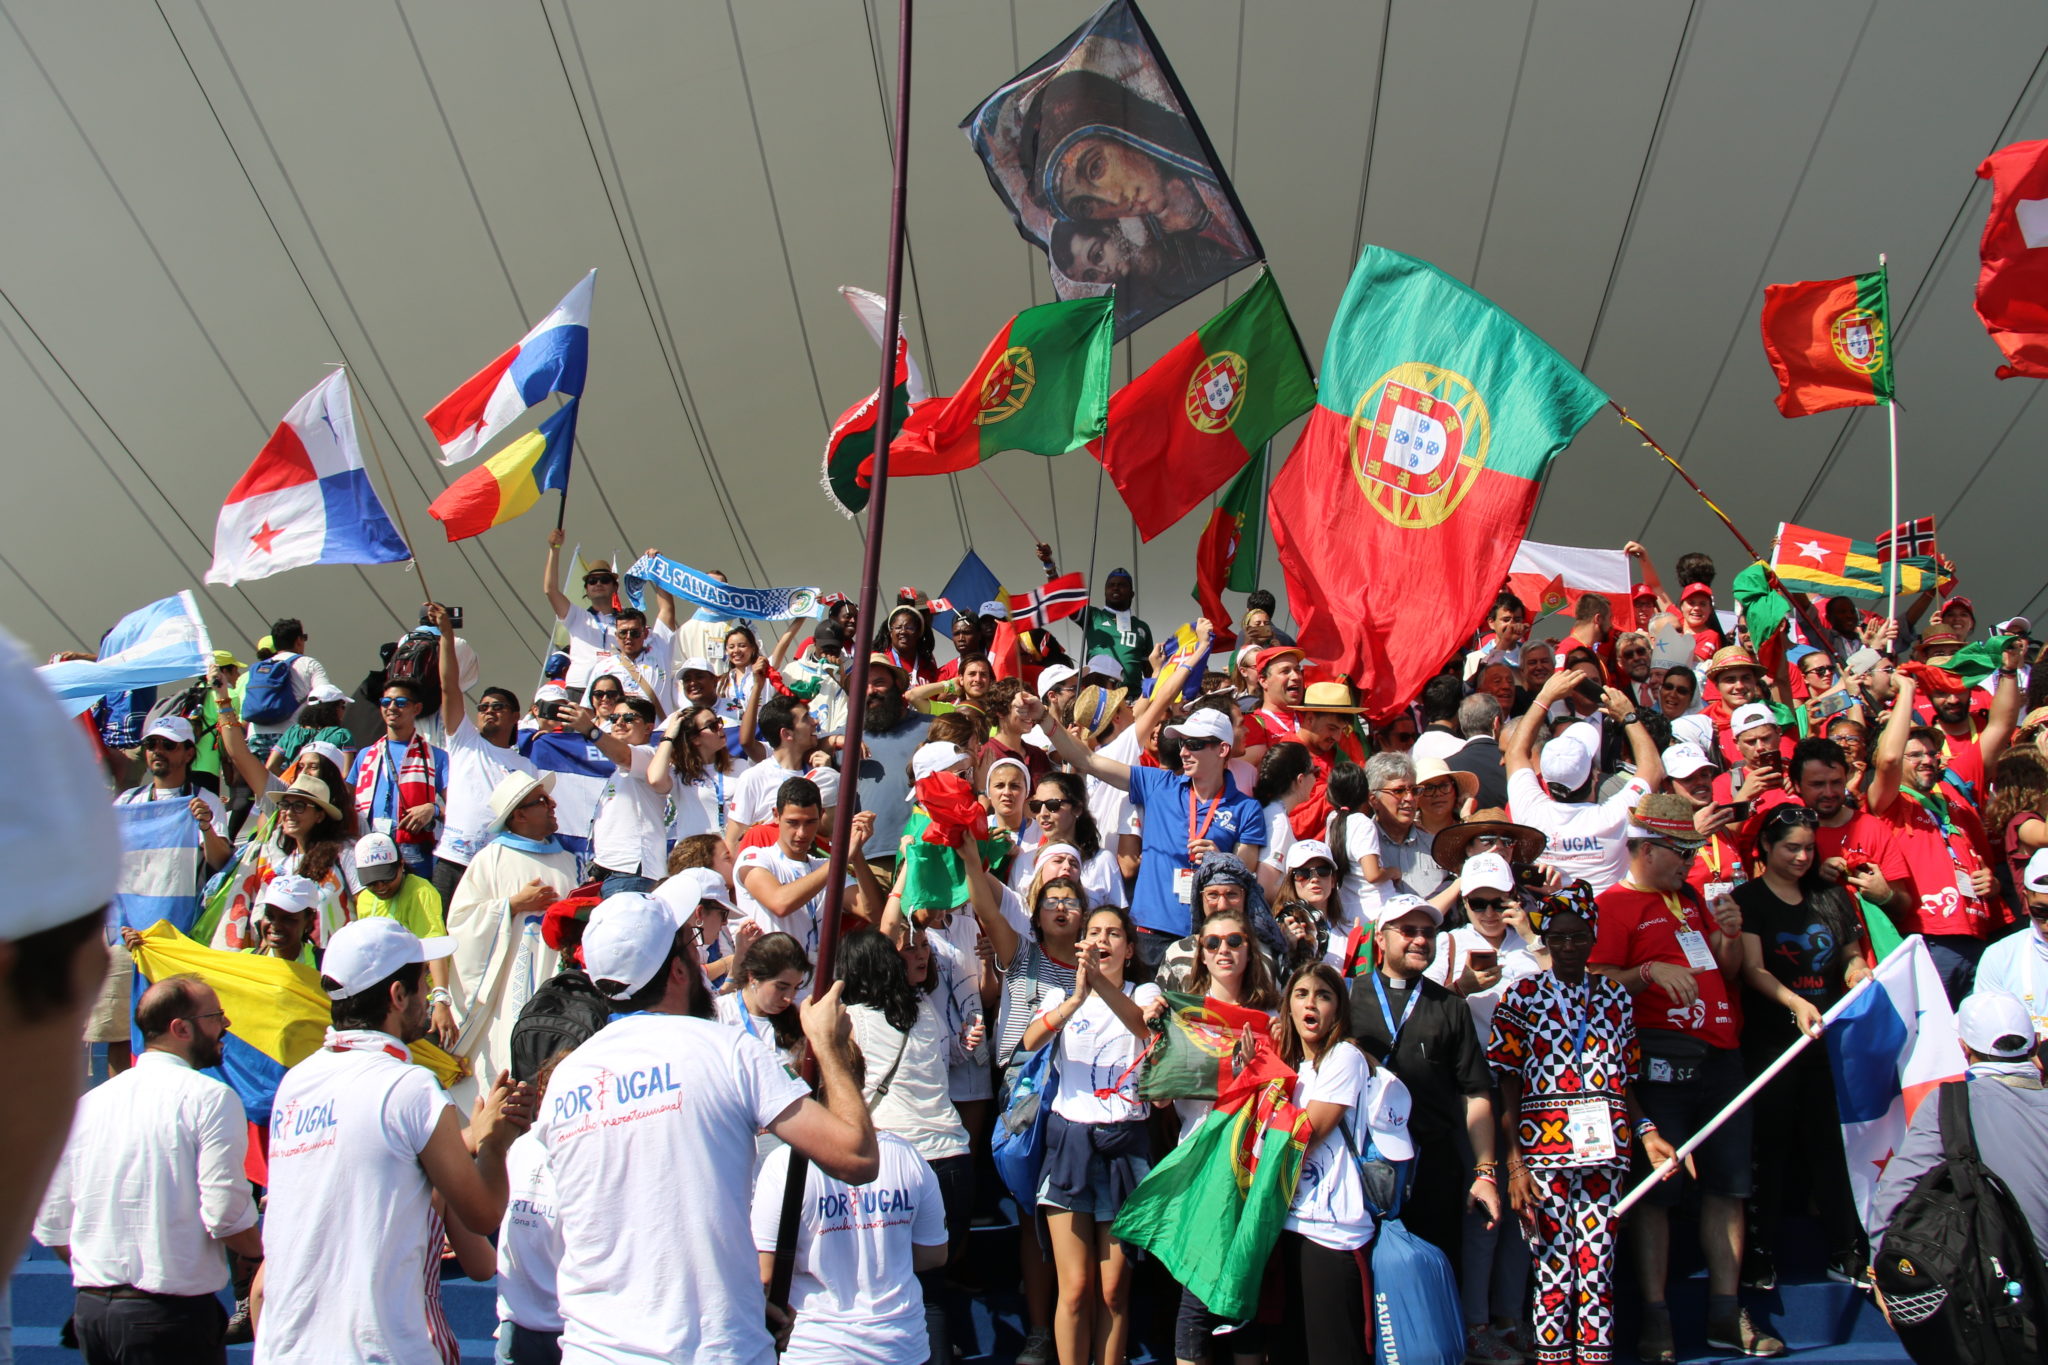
point(2012, 283)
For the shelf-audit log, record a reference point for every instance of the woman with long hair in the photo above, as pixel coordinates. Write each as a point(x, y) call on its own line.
point(1351, 1103)
point(315, 838)
point(1442, 798)
point(1306, 905)
point(900, 1030)
point(1060, 815)
point(770, 976)
point(705, 771)
point(1802, 949)
point(1287, 776)
point(742, 683)
point(2017, 817)
point(1095, 1143)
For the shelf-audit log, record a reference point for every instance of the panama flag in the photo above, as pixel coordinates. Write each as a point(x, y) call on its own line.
point(306, 499)
point(1890, 1045)
point(549, 359)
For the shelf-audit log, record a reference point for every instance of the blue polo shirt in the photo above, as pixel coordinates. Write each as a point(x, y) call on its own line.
point(1164, 798)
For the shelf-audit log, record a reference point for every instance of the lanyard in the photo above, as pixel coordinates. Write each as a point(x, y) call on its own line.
point(1585, 1018)
point(1394, 1025)
point(747, 1019)
point(1714, 856)
point(1207, 820)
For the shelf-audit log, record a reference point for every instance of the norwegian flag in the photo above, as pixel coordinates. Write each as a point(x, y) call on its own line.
point(1062, 597)
point(1916, 539)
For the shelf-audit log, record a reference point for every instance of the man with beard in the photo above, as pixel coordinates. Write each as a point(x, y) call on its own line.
point(1969, 744)
point(1632, 659)
point(1115, 630)
point(1281, 688)
point(150, 1192)
point(361, 1139)
point(890, 733)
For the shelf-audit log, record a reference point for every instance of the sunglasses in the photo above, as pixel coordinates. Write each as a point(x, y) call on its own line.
point(1316, 871)
point(537, 799)
point(606, 696)
point(393, 703)
point(629, 632)
point(493, 706)
point(1056, 803)
point(1568, 938)
point(2038, 913)
point(1195, 746)
point(1490, 905)
point(714, 728)
point(1214, 941)
point(1414, 930)
point(150, 745)
point(597, 580)
point(1684, 855)
point(1793, 815)
point(629, 717)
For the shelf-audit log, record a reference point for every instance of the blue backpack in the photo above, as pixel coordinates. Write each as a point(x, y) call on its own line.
point(269, 699)
point(1019, 1142)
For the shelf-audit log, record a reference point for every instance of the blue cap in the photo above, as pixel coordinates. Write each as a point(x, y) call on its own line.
point(1119, 573)
point(1798, 652)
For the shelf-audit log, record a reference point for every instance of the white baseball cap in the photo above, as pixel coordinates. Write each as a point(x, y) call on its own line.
point(1052, 675)
point(1385, 1104)
point(174, 728)
point(935, 758)
point(1684, 759)
point(330, 752)
point(2013, 625)
point(326, 692)
point(1994, 1024)
point(1303, 851)
point(551, 692)
point(1487, 872)
point(628, 938)
point(55, 799)
point(1204, 724)
point(1567, 760)
point(827, 782)
point(295, 894)
point(1747, 718)
point(1104, 664)
point(1403, 903)
point(2035, 878)
point(363, 952)
point(374, 853)
point(690, 888)
point(694, 664)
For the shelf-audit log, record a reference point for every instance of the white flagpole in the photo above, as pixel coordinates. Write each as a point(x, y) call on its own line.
point(1891, 408)
point(1749, 1092)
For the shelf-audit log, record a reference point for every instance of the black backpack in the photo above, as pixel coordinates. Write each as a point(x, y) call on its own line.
point(563, 1013)
point(417, 662)
point(1958, 1267)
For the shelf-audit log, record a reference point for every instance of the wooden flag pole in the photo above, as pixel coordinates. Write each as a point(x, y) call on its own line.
point(784, 1265)
point(390, 492)
point(1891, 409)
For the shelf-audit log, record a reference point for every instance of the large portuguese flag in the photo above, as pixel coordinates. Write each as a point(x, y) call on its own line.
point(1829, 342)
point(1042, 385)
point(1398, 513)
point(850, 447)
point(1181, 429)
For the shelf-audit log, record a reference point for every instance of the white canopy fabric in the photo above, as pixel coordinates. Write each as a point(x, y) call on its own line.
point(210, 201)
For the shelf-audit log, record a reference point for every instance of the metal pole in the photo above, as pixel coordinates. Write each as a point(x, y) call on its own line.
point(857, 676)
point(1891, 409)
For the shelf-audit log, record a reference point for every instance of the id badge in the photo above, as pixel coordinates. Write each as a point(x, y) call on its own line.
point(1697, 955)
point(1716, 890)
point(1963, 887)
point(1591, 1130)
point(1184, 885)
point(380, 824)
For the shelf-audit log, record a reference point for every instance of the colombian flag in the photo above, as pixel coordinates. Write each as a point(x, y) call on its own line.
point(511, 481)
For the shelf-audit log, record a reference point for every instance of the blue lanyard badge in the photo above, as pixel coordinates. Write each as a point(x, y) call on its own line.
point(1394, 1024)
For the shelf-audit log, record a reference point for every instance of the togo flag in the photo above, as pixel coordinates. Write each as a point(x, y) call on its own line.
point(1212, 1210)
point(1807, 560)
point(1829, 343)
point(1042, 385)
point(160, 865)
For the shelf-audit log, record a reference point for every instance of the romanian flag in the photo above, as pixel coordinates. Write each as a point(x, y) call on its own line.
point(277, 1017)
point(1212, 1210)
point(511, 481)
point(1042, 385)
point(1829, 342)
point(1812, 561)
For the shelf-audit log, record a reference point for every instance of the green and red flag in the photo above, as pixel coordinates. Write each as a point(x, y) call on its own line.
point(1211, 1050)
point(850, 447)
point(1180, 430)
point(1811, 561)
point(1213, 1209)
point(1042, 385)
point(1829, 342)
point(1397, 515)
point(1218, 565)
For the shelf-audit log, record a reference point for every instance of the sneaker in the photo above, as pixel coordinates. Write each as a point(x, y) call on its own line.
point(1037, 1349)
point(1517, 1337)
point(1759, 1269)
point(240, 1330)
point(1654, 1344)
point(1850, 1269)
point(1482, 1347)
point(1740, 1333)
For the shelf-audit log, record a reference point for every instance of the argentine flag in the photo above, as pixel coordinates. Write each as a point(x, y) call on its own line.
point(163, 642)
point(159, 866)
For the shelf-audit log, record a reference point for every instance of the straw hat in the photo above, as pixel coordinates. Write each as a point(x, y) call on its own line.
point(1431, 769)
point(1335, 697)
point(1450, 845)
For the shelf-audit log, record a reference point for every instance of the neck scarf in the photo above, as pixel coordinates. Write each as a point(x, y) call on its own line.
point(365, 1040)
point(521, 843)
point(415, 787)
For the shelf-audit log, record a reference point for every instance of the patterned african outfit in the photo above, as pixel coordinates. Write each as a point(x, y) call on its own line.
point(1535, 1030)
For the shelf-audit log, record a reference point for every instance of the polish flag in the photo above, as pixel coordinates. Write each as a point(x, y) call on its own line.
point(549, 359)
point(306, 499)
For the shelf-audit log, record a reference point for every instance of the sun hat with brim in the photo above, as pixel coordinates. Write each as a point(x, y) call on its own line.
point(1095, 709)
point(1333, 697)
point(1665, 817)
point(1732, 656)
point(879, 660)
point(1935, 641)
point(314, 790)
point(512, 792)
point(1435, 769)
point(1450, 845)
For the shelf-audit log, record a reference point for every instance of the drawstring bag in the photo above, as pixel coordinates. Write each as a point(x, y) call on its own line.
point(1019, 1142)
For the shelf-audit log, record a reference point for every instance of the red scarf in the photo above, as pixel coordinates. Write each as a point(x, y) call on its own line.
point(948, 799)
point(415, 787)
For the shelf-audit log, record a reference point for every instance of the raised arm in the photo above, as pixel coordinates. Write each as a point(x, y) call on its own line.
point(1642, 748)
point(665, 750)
point(452, 700)
point(1167, 683)
point(1634, 550)
point(1888, 765)
point(233, 734)
point(551, 577)
point(2005, 706)
point(1072, 750)
point(750, 743)
point(1520, 751)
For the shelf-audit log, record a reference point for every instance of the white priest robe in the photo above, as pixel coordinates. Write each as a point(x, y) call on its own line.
point(498, 963)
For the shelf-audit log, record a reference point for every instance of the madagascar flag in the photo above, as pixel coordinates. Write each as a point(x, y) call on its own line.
point(1218, 565)
point(1829, 342)
point(851, 445)
point(1042, 385)
point(1397, 515)
point(1811, 561)
point(511, 481)
point(1181, 429)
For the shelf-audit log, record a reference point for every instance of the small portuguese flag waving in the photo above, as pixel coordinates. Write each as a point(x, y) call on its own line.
point(1830, 343)
point(1180, 430)
point(1042, 385)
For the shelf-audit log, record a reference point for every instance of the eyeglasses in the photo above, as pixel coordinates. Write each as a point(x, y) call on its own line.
point(1055, 803)
point(1059, 903)
point(1214, 941)
point(1568, 938)
point(1490, 905)
point(221, 1015)
point(393, 703)
point(537, 799)
point(293, 805)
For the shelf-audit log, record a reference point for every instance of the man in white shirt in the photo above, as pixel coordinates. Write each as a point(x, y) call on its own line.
point(650, 1127)
point(480, 756)
point(640, 658)
point(2017, 965)
point(1586, 840)
point(360, 1141)
point(591, 628)
point(782, 885)
point(629, 837)
point(151, 1190)
point(785, 726)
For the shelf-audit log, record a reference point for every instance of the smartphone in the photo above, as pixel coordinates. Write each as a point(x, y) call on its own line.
point(1483, 961)
point(1828, 706)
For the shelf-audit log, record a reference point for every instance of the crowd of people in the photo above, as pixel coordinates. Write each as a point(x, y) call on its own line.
point(1517, 944)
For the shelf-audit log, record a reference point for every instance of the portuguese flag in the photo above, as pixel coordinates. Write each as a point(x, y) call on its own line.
point(1212, 1210)
point(1180, 430)
point(1042, 385)
point(1829, 342)
point(1397, 516)
point(1218, 565)
point(852, 442)
point(1811, 561)
point(1210, 1050)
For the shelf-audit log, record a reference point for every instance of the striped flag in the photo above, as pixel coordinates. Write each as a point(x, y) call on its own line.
point(1062, 597)
point(1820, 562)
point(1915, 538)
point(160, 867)
point(163, 642)
point(582, 773)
